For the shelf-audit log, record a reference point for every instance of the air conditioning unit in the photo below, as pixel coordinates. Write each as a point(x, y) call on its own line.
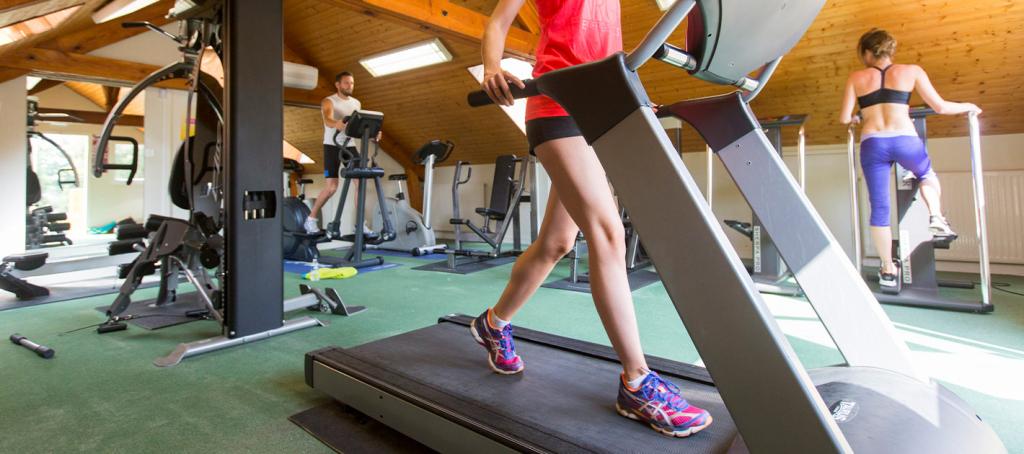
point(303, 77)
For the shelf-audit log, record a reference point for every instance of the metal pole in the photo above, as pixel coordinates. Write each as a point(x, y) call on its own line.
point(978, 177)
point(428, 186)
point(534, 203)
point(851, 161)
point(711, 176)
point(801, 152)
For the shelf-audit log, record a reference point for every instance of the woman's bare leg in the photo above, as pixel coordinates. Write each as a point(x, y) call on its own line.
point(582, 188)
point(931, 192)
point(555, 239)
point(882, 237)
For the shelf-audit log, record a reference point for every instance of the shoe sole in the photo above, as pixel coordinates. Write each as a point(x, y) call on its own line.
point(490, 361)
point(672, 433)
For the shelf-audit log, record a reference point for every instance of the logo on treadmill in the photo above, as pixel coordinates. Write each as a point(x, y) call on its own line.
point(844, 410)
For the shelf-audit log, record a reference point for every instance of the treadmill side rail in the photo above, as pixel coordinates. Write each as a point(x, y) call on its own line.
point(712, 291)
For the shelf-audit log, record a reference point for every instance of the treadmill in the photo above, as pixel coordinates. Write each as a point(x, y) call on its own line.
point(433, 385)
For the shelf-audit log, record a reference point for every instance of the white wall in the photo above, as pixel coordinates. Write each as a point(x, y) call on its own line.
point(12, 165)
point(149, 48)
point(828, 187)
point(165, 120)
point(476, 193)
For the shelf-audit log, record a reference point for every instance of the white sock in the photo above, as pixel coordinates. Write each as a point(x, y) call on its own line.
point(636, 382)
point(497, 322)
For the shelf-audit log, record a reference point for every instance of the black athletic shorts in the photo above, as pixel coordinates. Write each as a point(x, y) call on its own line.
point(332, 160)
point(540, 130)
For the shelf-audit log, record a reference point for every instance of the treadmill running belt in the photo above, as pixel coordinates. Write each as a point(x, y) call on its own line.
point(564, 401)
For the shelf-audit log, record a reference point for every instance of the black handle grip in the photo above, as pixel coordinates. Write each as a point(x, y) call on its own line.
point(41, 350)
point(134, 24)
point(480, 98)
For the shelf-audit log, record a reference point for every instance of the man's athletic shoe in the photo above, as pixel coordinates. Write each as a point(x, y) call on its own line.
point(501, 350)
point(939, 227)
point(658, 403)
point(310, 226)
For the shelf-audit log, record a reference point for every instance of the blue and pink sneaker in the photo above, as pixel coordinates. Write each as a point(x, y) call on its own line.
point(658, 402)
point(501, 350)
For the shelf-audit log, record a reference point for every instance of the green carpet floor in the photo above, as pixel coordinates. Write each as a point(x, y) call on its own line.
point(102, 394)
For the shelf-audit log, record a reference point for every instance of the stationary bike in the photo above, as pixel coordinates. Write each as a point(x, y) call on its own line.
point(413, 231)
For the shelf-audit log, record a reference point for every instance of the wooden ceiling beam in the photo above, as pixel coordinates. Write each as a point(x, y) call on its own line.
point(108, 71)
point(78, 37)
point(72, 65)
point(110, 97)
point(443, 18)
point(94, 118)
point(7, 6)
point(101, 35)
point(44, 85)
point(81, 19)
point(529, 18)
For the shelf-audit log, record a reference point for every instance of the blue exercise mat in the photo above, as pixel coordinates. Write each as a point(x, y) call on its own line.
point(432, 257)
point(301, 268)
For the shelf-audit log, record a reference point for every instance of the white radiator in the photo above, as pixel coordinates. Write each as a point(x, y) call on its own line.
point(1004, 191)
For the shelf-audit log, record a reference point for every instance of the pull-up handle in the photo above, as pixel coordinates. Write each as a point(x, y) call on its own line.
point(102, 164)
point(151, 27)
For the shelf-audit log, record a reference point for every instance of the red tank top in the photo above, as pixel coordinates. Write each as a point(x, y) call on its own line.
point(572, 32)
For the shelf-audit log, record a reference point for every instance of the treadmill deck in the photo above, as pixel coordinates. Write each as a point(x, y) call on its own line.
point(564, 401)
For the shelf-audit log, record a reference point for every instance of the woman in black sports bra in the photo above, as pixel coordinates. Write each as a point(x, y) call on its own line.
point(883, 90)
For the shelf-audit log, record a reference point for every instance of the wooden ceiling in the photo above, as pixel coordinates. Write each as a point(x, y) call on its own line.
point(419, 105)
point(973, 51)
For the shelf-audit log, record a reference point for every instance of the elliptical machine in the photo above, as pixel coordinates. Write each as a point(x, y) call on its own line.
point(413, 231)
point(302, 246)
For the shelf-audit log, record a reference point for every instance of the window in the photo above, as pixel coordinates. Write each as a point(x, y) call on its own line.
point(34, 26)
point(519, 68)
point(51, 167)
point(123, 153)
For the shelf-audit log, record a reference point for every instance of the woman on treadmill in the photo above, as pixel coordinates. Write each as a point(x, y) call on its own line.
point(575, 32)
point(883, 90)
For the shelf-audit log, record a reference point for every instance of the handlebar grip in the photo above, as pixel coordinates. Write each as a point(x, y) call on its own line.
point(479, 98)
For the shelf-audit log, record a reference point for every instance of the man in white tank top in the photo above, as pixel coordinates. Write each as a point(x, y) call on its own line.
point(335, 109)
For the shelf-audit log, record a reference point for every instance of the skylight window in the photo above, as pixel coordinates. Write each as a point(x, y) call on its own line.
point(34, 26)
point(664, 4)
point(519, 68)
point(119, 8)
point(407, 58)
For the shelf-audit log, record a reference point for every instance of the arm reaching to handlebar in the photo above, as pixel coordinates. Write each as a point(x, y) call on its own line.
point(496, 80)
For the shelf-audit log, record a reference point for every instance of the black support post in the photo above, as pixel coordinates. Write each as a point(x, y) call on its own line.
point(254, 118)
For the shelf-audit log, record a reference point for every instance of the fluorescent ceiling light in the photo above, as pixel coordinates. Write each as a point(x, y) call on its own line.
point(118, 8)
point(406, 58)
point(519, 68)
point(664, 4)
point(31, 82)
point(34, 26)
